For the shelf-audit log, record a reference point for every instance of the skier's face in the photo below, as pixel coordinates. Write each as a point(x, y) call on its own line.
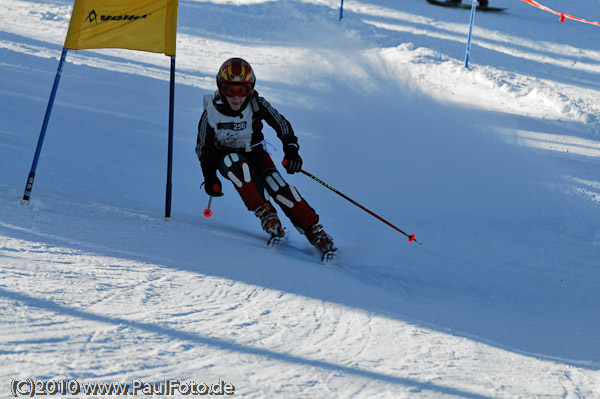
point(236, 102)
point(236, 94)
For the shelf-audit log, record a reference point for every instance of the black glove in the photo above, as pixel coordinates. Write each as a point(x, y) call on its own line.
point(292, 161)
point(212, 186)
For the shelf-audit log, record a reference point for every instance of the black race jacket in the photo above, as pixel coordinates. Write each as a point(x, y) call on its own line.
point(222, 130)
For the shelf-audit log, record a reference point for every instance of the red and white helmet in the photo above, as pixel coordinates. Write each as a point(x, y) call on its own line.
point(235, 77)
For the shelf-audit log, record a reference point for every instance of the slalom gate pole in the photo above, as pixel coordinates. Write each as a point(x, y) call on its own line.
point(471, 20)
point(38, 150)
point(411, 237)
point(341, 10)
point(169, 189)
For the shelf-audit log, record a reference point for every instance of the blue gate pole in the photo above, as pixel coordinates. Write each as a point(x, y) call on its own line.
point(472, 19)
point(170, 147)
point(38, 149)
point(342, 10)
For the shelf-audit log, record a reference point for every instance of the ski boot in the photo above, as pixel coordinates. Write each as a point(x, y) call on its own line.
point(270, 223)
point(323, 242)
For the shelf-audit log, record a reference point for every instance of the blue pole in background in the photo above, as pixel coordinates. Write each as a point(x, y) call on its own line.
point(38, 149)
point(472, 19)
point(342, 10)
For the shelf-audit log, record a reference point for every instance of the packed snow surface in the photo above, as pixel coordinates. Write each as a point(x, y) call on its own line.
point(495, 168)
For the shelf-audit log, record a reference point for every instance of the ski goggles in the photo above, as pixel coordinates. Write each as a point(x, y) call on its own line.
point(239, 90)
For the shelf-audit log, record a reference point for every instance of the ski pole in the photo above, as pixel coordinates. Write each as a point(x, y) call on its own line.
point(207, 211)
point(411, 237)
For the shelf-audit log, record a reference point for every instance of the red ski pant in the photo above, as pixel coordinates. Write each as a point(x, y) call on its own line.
point(255, 178)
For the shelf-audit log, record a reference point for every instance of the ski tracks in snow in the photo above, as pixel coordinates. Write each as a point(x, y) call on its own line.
point(100, 318)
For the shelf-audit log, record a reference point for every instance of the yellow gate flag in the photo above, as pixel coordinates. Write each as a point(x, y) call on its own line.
point(146, 25)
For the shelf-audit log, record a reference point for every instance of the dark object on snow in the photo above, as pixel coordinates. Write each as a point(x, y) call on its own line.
point(458, 4)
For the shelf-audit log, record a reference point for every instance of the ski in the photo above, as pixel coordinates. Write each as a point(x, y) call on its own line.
point(275, 240)
point(464, 6)
point(329, 256)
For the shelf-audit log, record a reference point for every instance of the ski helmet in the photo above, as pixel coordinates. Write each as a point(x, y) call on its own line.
point(236, 72)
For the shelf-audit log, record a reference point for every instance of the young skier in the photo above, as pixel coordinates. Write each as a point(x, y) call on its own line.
point(230, 140)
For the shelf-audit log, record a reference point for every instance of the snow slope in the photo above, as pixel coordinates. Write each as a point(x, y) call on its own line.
point(494, 168)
